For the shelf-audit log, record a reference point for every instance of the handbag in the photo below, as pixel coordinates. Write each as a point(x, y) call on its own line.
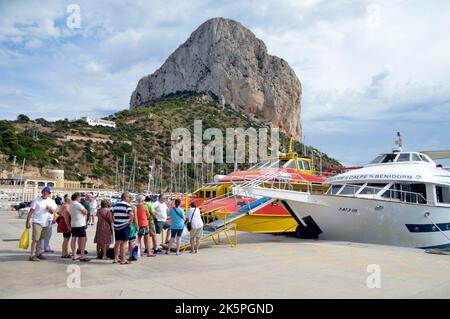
point(189, 223)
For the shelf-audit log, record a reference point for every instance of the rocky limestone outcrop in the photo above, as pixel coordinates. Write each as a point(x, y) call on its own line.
point(225, 58)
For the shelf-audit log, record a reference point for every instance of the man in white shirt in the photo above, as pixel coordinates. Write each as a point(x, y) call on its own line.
point(161, 217)
point(93, 204)
point(41, 207)
point(78, 227)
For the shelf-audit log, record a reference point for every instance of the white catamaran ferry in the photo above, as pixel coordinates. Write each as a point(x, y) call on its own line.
point(400, 198)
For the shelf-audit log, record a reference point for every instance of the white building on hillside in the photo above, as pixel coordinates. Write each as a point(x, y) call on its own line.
point(98, 122)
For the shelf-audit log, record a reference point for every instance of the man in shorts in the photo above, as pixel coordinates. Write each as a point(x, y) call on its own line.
point(151, 224)
point(78, 224)
point(41, 208)
point(142, 219)
point(93, 206)
point(122, 216)
point(161, 216)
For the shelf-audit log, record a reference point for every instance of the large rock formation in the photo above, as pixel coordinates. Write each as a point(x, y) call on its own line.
point(225, 58)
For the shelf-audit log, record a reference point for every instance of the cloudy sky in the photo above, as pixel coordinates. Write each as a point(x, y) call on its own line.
point(368, 68)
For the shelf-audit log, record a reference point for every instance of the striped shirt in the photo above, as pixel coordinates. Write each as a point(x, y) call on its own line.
point(121, 213)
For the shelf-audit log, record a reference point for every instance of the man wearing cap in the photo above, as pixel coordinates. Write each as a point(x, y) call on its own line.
point(40, 209)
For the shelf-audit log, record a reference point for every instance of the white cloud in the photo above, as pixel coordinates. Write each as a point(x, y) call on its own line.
point(365, 66)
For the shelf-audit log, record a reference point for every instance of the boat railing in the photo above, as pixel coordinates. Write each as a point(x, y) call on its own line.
point(354, 190)
point(405, 196)
point(11, 197)
point(275, 179)
point(209, 215)
point(281, 180)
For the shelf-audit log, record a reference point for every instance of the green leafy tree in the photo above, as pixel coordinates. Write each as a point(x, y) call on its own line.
point(22, 118)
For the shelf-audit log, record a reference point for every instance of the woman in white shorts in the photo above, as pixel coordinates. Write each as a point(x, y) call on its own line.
point(196, 232)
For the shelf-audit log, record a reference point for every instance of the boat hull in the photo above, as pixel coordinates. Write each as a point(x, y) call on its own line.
point(273, 218)
point(364, 220)
point(263, 223)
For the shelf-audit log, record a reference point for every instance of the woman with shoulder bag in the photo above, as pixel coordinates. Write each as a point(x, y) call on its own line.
point(195, 223)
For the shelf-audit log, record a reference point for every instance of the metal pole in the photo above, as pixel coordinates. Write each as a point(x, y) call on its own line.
point(161, 174)
point(21, 179)
point(14, 168)
point(320, 159)
point(149, 176)
point(185, 178)
point(123, 173)
point(117, 182)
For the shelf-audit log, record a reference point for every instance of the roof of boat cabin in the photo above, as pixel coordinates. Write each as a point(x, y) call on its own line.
point(416, 172)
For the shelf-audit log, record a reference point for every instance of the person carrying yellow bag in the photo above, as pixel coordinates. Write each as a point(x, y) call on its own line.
point(41, 208)
point(24, 241)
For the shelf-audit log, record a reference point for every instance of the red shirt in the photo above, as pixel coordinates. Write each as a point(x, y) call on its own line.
point(142, 215)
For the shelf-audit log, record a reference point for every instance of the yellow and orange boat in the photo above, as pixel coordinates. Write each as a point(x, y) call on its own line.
point(219, 199)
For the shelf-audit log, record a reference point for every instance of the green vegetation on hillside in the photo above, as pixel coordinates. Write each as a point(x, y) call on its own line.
point(88, 151)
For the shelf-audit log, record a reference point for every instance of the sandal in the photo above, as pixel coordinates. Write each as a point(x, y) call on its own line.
point(125, 263)
point(75, 258)
point(85, 259)
point(151, 255)
point(116, 261)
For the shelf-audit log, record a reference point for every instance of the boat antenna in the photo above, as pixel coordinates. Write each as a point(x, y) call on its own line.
point(290, 152)
point(291, 141)
point(398, 143)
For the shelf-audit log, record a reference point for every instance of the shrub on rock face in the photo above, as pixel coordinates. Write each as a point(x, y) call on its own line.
point(22, 118)
point(42, 122)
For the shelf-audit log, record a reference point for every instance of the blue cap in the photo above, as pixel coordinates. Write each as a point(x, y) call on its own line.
point(46, 189)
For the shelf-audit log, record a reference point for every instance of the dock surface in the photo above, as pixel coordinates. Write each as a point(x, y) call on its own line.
point(261, 266)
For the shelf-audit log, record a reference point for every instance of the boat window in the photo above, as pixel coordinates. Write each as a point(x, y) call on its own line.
point(201, 194)
point(378, 159)
point(273, 164)
point(307, 167)
point(403, 157)
point(40, 184)
point(411, 193)
point(443, 194)
point(292, 165)
point(213, 193)
point(389, 158)
point(261, 165)
point(372, 188)
point(424, 158)
point(350, 189)
point(421, 190)
point(334, 189)
point(281, 163)
point(300, 165)
point(207, 194)
point(415, 157)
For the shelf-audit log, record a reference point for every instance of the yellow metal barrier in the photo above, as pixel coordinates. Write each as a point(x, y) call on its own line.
point(208, 215)
point(232, 242)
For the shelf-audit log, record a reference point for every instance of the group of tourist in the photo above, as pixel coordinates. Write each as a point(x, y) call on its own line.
point(125, 224)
